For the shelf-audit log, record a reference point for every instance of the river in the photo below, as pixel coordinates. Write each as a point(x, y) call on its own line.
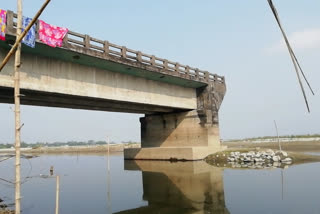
point(159, 187)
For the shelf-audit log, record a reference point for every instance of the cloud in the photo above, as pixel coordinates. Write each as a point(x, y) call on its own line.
point(302, 40)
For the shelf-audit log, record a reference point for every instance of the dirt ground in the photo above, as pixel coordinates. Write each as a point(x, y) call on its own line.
point(298, 151)
point(75, 149)
point(310, 146)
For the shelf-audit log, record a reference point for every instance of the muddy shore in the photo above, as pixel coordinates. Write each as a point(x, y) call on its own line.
point(298, 151)
point(294, 146)
point(74, 149)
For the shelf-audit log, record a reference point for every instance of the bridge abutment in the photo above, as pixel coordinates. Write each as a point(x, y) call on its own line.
point(190, 135)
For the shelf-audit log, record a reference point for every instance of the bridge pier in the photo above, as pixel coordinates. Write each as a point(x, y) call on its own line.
point(190, 135)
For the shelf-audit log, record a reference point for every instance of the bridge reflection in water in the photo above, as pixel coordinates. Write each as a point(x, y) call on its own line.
point(179, 187)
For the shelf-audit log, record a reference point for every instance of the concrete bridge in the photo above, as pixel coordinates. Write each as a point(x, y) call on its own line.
point(180, 103)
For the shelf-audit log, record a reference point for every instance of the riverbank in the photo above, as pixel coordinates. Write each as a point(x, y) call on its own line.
point(74, 149)
point(293, 146)
point(226, 158)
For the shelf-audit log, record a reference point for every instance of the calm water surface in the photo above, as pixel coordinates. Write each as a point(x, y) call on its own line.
point(160, 187)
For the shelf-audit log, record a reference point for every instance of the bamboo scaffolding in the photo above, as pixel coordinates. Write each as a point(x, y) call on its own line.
point(16, 48)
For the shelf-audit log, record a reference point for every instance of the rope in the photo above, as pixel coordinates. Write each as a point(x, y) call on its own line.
point(292, 55)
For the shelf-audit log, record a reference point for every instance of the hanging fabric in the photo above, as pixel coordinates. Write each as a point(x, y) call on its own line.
point(51, 35)
point(30, 38)
point(3, 21)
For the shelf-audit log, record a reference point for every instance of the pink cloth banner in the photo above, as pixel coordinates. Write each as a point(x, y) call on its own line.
point(3, 17)
point(51, 35)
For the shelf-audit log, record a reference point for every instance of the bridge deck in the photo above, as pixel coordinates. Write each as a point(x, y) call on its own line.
point(85, 50)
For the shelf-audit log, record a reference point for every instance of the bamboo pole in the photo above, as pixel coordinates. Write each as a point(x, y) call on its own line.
point(57, 194)
point(108, 155)
point(17, 64)
point(17, 50)
point(275, 124)
point(20, 37)
point(292, 55)
point(109, 207)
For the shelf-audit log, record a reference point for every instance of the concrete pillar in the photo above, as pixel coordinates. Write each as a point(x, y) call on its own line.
point(179, 136)
point(191, 135)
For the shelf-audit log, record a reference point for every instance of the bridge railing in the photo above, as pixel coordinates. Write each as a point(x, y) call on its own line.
point(108, 49)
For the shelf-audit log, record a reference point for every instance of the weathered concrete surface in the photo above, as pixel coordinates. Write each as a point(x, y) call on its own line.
point(180, 187)
point(177, 130)
point(56, 77)
point(181, 136)
point(170, 153)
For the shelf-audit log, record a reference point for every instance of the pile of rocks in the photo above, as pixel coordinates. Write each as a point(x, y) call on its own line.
point(259, 158)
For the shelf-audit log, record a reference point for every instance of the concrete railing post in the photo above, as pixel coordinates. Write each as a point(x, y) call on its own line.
point(207, 76)
point(65, 39)
point(153, 60)
point(197, 74)
point(165, 64)
point(106, 48)
point(87, 41)
point(188, 70)
point(10, 28)
point(176, 68)
point(124, 52)
point(139, 56)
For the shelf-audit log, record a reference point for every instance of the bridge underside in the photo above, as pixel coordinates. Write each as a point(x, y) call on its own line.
point(46, 99)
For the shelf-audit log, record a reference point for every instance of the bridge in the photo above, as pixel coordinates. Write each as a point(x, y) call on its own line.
point(180, 103)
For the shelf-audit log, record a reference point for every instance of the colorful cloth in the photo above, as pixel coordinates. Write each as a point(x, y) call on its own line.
point(51, 35)
point(3, 16)
point(30, 38)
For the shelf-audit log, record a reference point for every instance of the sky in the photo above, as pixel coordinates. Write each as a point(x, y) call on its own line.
point(236, 39)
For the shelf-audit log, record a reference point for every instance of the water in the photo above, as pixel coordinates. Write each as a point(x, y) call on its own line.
point(160, 187)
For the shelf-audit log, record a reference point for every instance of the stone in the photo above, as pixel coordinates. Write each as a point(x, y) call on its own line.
point(276, 158)
point(243, 155)
point(231, 159)
point(287, 161)
point(258, 160)
point(283, 153)
point(270, 152)
point(247, 159)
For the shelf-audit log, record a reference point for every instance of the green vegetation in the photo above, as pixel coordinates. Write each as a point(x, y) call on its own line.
point(283, 136)
point(60, 144)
